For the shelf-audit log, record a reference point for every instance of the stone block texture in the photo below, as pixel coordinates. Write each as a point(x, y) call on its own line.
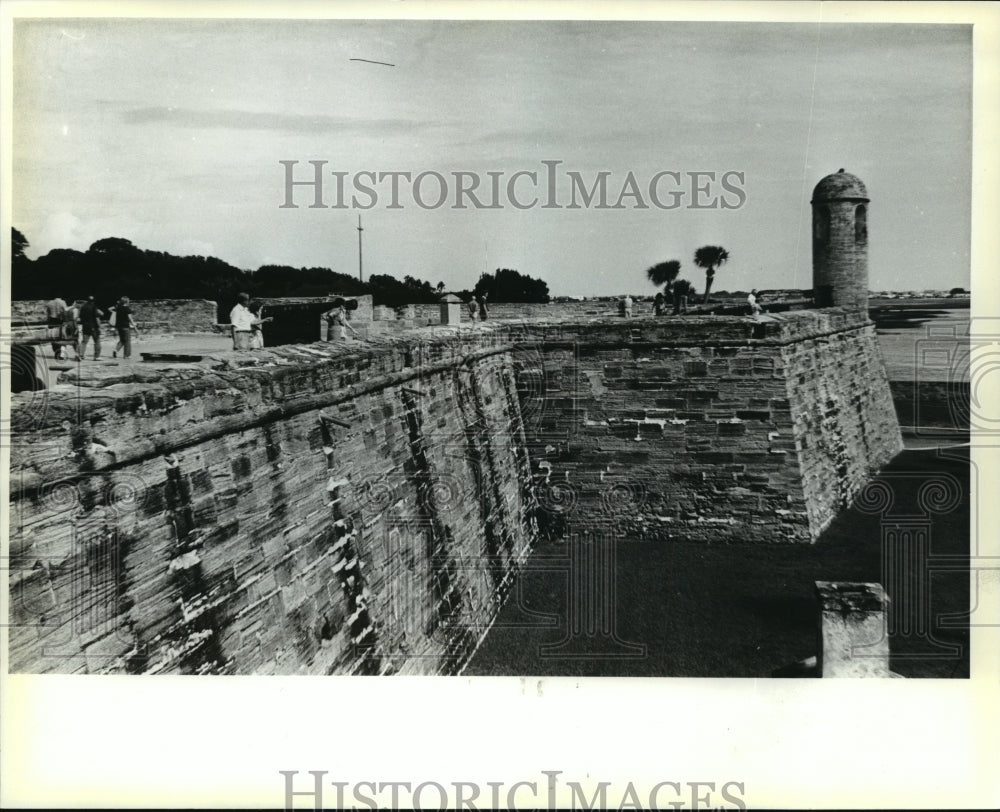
point(710, 428)
point(162, 315)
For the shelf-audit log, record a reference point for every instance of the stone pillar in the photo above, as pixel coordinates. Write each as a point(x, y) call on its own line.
point(451, 309)
point(853, 639)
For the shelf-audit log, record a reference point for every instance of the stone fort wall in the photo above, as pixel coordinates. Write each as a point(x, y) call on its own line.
point(365, 508)
point(718, 429)
point(322, 512)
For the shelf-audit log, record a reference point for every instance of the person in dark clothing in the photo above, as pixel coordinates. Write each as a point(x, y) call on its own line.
point(481, 301)
point(124, 325)
point(682, 290)
point(658, 301)
point(55, 312)
point(90, 327)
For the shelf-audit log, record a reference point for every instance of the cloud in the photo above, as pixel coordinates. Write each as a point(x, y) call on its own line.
point(63, 230)
point(249, 120)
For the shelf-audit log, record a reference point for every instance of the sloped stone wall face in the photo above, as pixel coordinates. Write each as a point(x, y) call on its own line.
point(844, 419)
point(363, 513)
point(366, 508)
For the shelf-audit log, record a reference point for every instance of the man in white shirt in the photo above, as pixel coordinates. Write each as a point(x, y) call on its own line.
point(755, 309)
point(242, 320)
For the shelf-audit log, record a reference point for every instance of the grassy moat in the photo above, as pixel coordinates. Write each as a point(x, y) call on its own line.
point(740, 610)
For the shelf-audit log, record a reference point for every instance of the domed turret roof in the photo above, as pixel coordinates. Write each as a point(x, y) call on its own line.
point(840, 186)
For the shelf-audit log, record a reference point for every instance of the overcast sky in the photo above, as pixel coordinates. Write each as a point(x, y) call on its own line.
point(170, 133)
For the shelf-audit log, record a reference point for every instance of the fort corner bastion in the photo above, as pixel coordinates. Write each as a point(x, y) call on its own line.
point(365, 507)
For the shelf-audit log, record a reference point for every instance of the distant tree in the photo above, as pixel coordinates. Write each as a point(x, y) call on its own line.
point(507, 285)
point(664, 273)
point(23, 278)
point(18, 244)
point(957, 292)
point(113, 267)
point(112, 245)
point(284, 280)
point(682, 285)
point(710, 257)
point(387, 290)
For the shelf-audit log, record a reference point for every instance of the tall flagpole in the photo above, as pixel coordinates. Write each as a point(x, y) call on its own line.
point(360, 229)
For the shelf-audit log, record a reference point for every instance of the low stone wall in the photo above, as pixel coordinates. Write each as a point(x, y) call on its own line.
point(431, 313)
point(162, 315)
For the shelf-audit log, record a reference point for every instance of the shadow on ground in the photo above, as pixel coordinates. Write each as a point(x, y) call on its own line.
point(683, 609)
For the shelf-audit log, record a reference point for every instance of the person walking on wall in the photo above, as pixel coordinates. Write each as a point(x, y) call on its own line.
point(90, 327)
point(337, 324)
point(481, 301)
point(473, 307)
point(242, 321)
point(55, 312)
point(755, 308)
point(124, 324)
point(71, 326)
point(658, 301)
point(627, 306)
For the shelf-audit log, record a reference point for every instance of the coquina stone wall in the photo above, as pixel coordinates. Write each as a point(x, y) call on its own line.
point(164, 315)
point(365, 507)
point(706, 428)
point(324, 510)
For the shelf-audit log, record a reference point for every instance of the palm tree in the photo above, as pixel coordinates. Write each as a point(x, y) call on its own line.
point(710, 257)
point(664, 273)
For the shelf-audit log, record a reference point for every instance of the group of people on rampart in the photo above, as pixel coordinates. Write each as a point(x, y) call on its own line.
point(79, 324)
point(247, 319)
point(477, 306)
point(247, 322)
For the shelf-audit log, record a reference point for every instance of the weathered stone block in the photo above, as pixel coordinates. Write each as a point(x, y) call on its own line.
point(852, 630)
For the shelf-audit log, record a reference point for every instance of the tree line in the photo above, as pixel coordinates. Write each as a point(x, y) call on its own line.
point(113, 267)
